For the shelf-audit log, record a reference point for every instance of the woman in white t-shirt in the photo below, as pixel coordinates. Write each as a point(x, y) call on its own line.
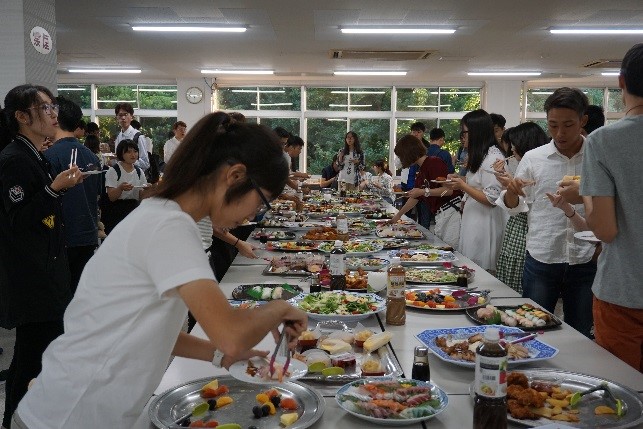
point(125, 320)
point(351, 159)
point(124, 182)
point(381, 183)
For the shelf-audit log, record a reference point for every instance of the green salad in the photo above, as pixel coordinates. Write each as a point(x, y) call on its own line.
point(337, 303)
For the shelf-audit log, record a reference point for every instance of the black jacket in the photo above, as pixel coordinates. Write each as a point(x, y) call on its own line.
point(34, 273)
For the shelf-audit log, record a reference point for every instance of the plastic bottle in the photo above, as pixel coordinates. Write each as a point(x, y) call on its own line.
point(421, 370)
point(300, 192)
point(315, 283)
point(338, 267)
point(342, 189)
point(342, 226)
point(395, 288)
point(490, 404)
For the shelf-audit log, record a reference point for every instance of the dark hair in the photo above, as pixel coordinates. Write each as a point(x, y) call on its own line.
point(481, 137)
point(568, 98)
point(418, 126)
point(135, 124)
point(356, 145)
point(436, 134)
point(69, 114)
point(632, 70)
point(217, 140)
point(170, 134)
point(123, 147)
point(20, 98)
point(498, 119)
point(282, 132)
point(82, 124)
point(525, 137)
point(295, 141)
point(409, 149)
point(91, 127)
point(595, 118)
point(383, 164)
point(124, 106)
point(238, 116)
point(178, 124)
point(92, 143)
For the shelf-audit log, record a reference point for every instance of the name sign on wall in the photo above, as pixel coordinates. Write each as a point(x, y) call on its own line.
point(41, 40)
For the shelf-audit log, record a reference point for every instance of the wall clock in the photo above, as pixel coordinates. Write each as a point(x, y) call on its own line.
point(194, 95)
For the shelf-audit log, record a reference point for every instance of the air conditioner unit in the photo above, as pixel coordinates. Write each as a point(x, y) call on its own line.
point(374, 55)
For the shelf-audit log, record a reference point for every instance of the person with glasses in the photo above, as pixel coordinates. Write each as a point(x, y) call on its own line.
point(34, 274)
point(125, 320)
point(124, 116)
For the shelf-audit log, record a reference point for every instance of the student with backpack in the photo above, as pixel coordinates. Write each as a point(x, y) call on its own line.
point(123, 184)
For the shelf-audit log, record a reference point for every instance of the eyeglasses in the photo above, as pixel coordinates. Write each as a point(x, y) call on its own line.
point(463, 133)
point(47, 108)
point(122, 115)
point(266, 204)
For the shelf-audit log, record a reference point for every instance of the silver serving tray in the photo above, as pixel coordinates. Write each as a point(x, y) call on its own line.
point(388, 359)
point(470, 275)
point(577, 382)
point(178, 401)
point(444, 257)
point(269, 271)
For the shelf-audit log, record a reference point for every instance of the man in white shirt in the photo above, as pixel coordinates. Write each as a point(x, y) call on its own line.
point(179, 128)
point(556, 264)
point(124, 115)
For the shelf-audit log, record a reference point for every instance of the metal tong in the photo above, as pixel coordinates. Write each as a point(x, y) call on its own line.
point(607, 394)
point(277, 349)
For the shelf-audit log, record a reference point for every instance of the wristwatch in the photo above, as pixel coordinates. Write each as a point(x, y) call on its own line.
point(217, 358)
point(427, 192)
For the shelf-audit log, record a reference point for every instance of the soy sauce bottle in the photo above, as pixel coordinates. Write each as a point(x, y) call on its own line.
point(490, 404)
point(421, 370)
point(338, 267)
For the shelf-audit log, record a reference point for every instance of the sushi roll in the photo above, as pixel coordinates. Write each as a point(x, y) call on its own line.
point(266, 293)
point(277, 292)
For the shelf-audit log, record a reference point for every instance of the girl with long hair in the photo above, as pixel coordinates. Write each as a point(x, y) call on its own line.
point(351, 160)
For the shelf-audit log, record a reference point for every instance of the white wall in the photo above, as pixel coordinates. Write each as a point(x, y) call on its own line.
point(186, 111)
point(503, 97)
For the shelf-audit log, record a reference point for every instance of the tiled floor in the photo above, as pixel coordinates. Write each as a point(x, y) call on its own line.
point(7, 338)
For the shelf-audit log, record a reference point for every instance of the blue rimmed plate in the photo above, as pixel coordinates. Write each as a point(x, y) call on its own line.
point(537, 349)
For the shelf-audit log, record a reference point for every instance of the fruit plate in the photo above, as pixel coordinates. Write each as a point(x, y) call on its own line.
point(425, 298)
point(266, 291)
point(350, 396)
point(575, 382)
point(339, 305)
point(179, 401)
point(552, 323)
point(537, 349)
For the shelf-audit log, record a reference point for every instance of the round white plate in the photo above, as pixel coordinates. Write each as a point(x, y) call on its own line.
point(296, 368)
point(587, 236)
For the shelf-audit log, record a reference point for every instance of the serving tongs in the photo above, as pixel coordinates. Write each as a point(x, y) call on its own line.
point(282, 337)
point(607, 394)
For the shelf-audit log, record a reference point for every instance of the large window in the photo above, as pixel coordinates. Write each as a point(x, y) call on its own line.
point(260, 98)
point(349, 99)
point(79, 94)
point(325, 139)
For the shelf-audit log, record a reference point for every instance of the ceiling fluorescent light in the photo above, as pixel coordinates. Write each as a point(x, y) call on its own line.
point(271, 104)
point(189, 28)
point(120, 71)
point(620, 31)
point(504, 73)
point(275, 91)
point(206, 71)
point(369, 73)
point(396, 30)
point(610, 74)
point(350, 105)
point(72, 89)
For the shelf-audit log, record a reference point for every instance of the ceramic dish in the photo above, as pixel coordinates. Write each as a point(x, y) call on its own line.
point(260, 290)
point(338, 305)
point(351, 404)
point(537, 349)
point(367, 264)
point(445, 298)
point(551, 322)
point(428, 257)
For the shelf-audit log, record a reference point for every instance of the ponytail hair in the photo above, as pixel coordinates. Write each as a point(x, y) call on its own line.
point(217, 140)
point(383, 165)
point(20, 98)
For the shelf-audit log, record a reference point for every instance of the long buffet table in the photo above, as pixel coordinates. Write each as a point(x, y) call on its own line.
point(576, 352)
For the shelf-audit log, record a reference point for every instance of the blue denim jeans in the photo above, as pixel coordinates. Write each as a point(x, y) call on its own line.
point(545, 283)
point(424, 214)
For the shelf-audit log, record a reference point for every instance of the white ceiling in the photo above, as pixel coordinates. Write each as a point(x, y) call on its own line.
point(293, 37)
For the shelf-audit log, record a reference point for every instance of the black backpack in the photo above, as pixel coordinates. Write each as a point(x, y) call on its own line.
point(152, 174)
